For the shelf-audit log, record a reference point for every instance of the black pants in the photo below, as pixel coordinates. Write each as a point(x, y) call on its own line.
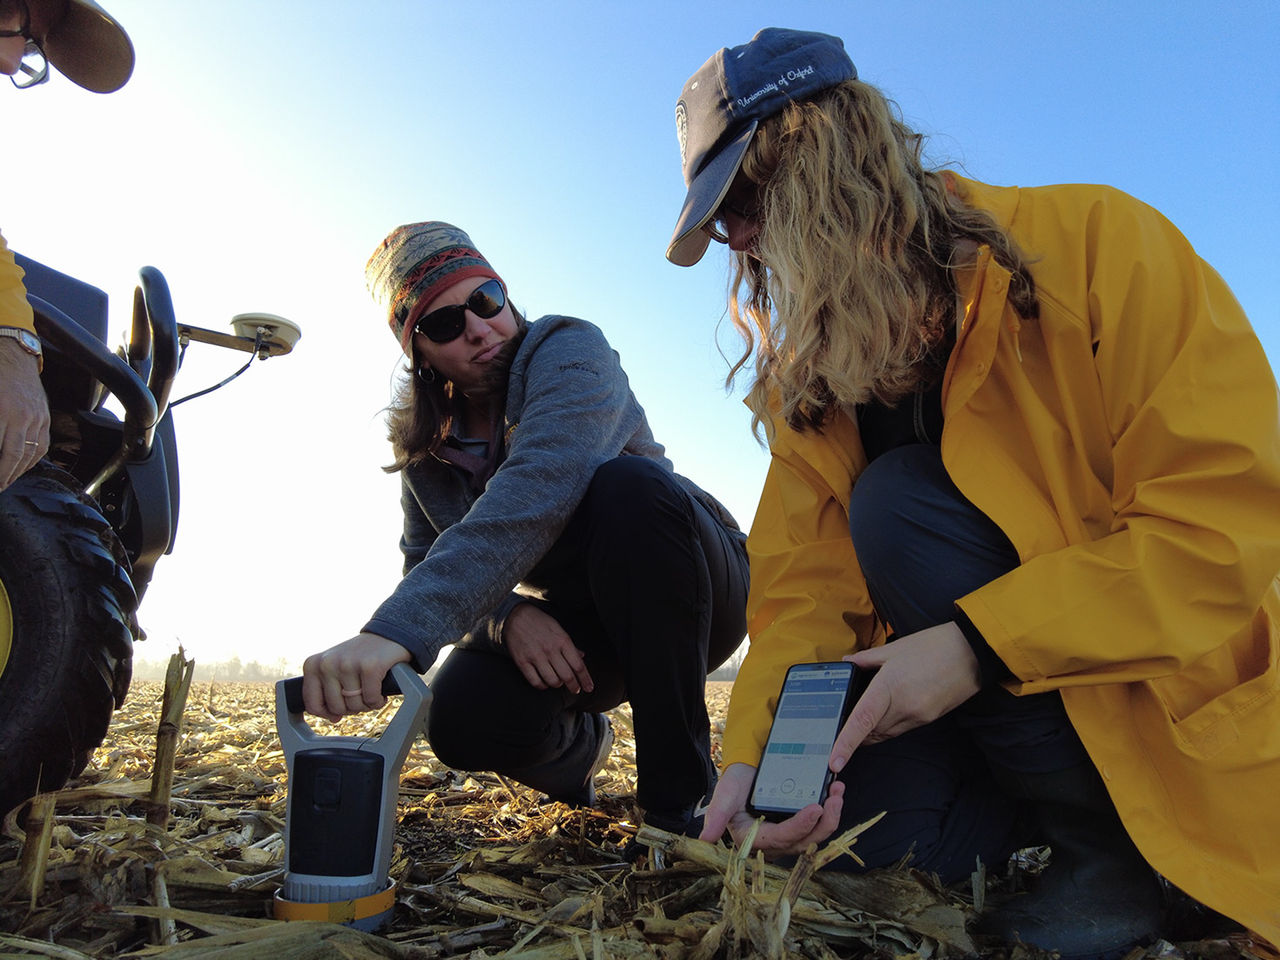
point(922, 546)
point(652, 588)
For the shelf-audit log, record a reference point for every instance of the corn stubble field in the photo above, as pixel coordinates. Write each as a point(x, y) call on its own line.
point(485, 867)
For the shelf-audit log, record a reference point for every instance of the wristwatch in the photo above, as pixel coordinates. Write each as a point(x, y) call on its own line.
point(26, 339)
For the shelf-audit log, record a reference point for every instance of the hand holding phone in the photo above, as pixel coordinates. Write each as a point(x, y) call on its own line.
point(912, 681)
point(814, 702)
point(729, 810)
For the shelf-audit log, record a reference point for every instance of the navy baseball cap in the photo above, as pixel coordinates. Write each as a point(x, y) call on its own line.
point(722, 105)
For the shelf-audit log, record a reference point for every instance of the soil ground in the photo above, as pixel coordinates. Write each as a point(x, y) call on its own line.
point(484, 866)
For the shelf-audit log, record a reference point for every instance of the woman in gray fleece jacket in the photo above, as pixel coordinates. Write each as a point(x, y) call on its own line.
point(548, 537)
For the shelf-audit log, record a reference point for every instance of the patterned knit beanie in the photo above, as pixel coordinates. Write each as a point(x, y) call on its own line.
point(414, 264)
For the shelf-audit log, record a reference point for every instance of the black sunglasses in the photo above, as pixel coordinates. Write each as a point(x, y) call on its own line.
point(745, 204)
point(447, 323)
point(33, 68)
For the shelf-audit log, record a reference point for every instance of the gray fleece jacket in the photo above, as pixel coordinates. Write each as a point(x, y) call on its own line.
point(569, 410)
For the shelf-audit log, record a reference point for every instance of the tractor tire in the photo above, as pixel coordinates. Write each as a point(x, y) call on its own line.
point(67, 626)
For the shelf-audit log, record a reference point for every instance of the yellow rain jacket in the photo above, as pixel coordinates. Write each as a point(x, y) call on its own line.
point(1128, 444)
point(14, 309)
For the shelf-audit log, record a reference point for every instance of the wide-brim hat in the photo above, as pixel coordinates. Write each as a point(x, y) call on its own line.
point(720, 109)
point(90, 48)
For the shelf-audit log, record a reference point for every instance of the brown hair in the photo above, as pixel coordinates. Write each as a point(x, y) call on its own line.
point(854, 283)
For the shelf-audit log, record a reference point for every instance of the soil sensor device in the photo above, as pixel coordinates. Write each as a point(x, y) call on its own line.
point(341, 817)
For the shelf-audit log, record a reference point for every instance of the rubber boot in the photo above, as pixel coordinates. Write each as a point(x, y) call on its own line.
point(1098, 897)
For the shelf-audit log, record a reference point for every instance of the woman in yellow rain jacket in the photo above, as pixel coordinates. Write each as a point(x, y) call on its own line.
point(1030, 436)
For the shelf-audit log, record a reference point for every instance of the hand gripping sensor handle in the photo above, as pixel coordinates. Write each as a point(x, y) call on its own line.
point(340, 825)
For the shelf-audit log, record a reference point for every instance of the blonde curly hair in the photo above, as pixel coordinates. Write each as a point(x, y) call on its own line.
point(851, 289)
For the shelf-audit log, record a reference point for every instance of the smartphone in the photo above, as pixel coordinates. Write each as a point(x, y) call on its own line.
point(814, 703)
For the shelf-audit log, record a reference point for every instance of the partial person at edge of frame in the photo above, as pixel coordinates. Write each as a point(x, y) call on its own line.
point(1026, 457)
point(92, 50)
point(527, 463)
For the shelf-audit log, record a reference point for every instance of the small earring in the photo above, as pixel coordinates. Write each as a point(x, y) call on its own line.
point(426, 374)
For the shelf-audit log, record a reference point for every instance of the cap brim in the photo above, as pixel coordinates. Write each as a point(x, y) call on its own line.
point(90, 48)
point(706, 193)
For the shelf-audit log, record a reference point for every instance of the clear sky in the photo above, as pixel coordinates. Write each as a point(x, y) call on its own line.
point(264, 147)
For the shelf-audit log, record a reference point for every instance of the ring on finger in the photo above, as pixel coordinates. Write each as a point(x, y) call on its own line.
point(352, 693)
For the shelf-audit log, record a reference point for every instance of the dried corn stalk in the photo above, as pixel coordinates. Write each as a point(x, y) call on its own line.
point(486, 867)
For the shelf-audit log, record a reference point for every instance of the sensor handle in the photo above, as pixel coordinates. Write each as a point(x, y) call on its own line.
point(293, 691)
point(296, 734)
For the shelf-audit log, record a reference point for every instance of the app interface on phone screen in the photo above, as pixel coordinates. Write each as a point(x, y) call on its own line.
point(805, 726)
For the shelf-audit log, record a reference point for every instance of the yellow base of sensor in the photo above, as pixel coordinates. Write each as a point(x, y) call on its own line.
point(356, 912)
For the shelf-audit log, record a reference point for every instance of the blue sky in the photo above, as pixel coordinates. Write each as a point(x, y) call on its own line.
point(262, 149)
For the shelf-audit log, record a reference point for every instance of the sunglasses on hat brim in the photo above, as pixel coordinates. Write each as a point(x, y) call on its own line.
point(447, 323)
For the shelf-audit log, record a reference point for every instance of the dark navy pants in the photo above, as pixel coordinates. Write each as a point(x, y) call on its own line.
point(922, 546)
point(652, 588)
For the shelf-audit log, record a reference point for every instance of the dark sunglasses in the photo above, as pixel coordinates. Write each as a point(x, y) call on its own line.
point(33, 68)
point(447, 323)
point(717, 228)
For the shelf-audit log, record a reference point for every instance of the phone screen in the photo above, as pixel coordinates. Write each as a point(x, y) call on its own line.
point(793, 770)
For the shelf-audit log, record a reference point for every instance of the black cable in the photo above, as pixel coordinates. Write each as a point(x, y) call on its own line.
point(257, 344)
